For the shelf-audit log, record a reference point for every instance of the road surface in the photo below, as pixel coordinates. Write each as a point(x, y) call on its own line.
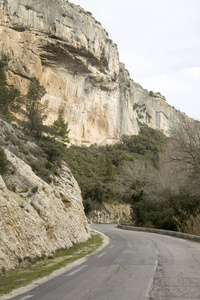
point(134, 266)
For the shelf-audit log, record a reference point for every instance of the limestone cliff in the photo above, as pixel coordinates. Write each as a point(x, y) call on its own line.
point(71, 54)
point(35, 217)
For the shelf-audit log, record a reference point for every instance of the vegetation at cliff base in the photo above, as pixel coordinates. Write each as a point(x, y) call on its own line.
point(106, 173)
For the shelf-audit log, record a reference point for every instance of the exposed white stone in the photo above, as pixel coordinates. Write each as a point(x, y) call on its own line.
point(38, 218)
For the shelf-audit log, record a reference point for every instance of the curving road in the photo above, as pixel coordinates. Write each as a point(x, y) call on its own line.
point(134, 266)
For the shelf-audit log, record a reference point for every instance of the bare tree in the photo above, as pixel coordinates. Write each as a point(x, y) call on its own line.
point(184, 145)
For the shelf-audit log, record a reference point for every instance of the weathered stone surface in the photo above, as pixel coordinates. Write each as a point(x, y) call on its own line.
point(71, 54)
point(35, 217)
point(111, 213)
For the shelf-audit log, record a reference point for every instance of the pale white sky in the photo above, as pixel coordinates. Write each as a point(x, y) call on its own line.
point(159, 42)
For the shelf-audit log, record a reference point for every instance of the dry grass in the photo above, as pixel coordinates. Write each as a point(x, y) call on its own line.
point(192, 226)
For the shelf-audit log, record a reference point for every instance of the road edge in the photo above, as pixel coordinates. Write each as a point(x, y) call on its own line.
point(186, 236)
point(56, 273)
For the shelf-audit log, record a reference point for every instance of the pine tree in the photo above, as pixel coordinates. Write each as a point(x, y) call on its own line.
point(60, 129)
point(34, 108)
point(10, 99)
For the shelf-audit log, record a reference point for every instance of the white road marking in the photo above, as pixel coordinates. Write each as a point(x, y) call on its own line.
point(102, 254)
point(26, 297)
point(111, 246)
point(150, 286)
point(76, 271)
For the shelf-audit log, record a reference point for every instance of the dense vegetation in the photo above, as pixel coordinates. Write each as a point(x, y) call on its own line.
point(103, 173)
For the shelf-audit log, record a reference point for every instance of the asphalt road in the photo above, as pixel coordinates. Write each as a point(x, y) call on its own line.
point(135, 265)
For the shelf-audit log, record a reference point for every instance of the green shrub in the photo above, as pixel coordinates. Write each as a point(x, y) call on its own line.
point(53, 149)
point(34, 189)
point(103, 172)
point(88, 206)
point(3, 162)
point(169, 212)
point(10, 99)
point(151, 93)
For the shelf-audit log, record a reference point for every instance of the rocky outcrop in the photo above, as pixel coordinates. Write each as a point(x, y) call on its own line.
point(110, 213)
point(36, 217)
point(73, 57)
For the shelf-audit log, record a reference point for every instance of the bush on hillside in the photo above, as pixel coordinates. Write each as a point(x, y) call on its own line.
point(149, 142)
point(3, 162)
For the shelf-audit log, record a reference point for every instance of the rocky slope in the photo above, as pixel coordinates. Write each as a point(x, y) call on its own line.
point(35, 217)
point(72, 55)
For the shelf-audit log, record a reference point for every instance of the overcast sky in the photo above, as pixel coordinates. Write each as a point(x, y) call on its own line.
point(159, 42)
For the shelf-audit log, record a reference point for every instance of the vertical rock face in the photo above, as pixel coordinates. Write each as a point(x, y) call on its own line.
point(71, 54)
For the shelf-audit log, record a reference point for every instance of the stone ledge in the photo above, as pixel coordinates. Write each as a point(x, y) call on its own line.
point(180, 235)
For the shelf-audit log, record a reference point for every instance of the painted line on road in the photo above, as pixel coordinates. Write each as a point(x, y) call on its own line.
point(26, 297)
point(150, 286)
point(102, 254)
point(111, 246)
point(76, 271)
point(156, 262)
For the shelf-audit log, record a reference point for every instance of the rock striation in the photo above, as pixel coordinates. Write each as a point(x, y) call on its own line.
point(72, 55)
point(36, 217)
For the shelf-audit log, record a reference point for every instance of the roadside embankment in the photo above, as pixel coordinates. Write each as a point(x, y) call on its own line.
point(30, 274)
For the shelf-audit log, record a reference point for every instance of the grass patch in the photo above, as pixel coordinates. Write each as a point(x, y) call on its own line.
point(32, 269)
